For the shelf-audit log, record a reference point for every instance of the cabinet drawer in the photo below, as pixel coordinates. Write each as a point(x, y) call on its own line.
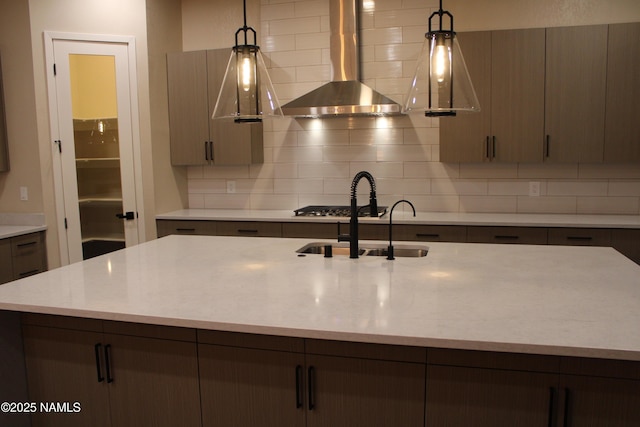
point(28, 252)
point(521, 235)
point(580, 236)
point(167, 227)
point(430, 233)
point(249, 228)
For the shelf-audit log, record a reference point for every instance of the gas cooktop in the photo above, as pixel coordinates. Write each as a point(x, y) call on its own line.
point(341, 211)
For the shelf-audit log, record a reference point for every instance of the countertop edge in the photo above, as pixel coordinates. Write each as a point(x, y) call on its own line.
point(425, 342)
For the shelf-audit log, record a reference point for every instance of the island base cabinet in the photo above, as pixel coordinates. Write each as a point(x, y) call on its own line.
point(61, 367)
point(600, 402)
point(250, 387)
point(476, 397)
point(357, 392)
point(110, 379)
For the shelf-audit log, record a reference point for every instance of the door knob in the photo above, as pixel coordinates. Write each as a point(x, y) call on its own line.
point(127, 215)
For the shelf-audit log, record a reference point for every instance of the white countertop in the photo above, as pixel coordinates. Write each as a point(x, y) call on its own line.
point(405, 217)
point(17, 224)
point(7, 231)
point(574, 301)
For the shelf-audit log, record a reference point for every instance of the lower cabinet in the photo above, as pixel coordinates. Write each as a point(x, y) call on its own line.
point(285, 382)
point(24, 256)
point(109, 379)
point(490, 389)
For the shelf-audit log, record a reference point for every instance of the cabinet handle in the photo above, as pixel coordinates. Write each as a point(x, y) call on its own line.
point(247, 230)
point(97, 350)
point(298, 387)
point(432, 236)
point(107, 362)
point(311, 373)
point(211, 150)
point(547, 146)
point(505, 237)
point(493, 148)
point(206, 150)
point(566, 422)
point(580, 238)
point(22, 245)
point(487, 149)
point(551, 422)
point(185, 229)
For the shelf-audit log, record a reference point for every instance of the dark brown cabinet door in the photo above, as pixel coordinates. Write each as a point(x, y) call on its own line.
point(251, 387)
point(476, 397)
point(352, 392)
point(155, 382)
point(601, 402)
point(61, 367)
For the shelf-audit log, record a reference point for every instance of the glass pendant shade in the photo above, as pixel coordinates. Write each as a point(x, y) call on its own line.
point(246, 94)
point(441, 85)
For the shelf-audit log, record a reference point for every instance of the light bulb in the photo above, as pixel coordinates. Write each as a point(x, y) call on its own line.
point(247, 73)
point(441, 62)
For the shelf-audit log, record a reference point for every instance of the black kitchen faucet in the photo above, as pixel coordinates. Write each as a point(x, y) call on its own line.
point(352, 237)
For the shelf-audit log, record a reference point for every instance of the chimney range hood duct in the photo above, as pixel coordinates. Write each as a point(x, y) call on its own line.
point(345, 95)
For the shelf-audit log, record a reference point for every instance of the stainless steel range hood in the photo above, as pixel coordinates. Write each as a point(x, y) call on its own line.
point(345, 95)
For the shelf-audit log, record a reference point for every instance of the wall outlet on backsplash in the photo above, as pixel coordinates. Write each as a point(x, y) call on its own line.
point(231, 186)
point(534, 189)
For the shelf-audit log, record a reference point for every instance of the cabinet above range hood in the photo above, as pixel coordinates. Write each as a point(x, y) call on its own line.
point(345, 95)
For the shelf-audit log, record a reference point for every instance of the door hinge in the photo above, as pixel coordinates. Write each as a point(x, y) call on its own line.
point(66, 226)
point(54, 69)
point(59, 144)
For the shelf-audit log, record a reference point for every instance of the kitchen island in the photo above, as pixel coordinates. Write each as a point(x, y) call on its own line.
point(460, 302)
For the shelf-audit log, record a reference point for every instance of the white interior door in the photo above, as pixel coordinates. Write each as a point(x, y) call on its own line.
point(94, 167)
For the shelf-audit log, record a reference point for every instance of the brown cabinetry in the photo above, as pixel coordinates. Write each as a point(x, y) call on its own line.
point(580, 236)
point(194, 80)
point(117, 379)
point(169, 226)
point(24, 256)
point(622, 128)
point(249, 228)
point(488, 389)
point(627, 241)
point(575, 88)
point(510, 90)
point(564, 94)
point(522, 235)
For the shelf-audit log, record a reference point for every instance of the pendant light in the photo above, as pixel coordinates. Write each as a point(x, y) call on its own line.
point(246, 94)
point(441, 85)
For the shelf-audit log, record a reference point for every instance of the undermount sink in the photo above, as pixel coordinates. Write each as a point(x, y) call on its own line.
point(411, 251)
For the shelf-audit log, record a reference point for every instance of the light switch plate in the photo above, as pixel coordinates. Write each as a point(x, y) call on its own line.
point(24, 193)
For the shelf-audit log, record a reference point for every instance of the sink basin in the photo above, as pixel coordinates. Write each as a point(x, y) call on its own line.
point(337, 249)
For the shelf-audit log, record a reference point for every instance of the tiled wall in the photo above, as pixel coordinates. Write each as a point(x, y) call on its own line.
point(313, 161)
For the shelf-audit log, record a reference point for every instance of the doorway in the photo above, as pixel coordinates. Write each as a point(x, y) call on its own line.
point(93, 121)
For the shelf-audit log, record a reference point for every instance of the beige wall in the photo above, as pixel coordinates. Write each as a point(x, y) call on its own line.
point(17, 70)
point(313, 161)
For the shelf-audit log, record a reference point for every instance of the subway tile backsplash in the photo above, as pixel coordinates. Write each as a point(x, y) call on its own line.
point(313, 161)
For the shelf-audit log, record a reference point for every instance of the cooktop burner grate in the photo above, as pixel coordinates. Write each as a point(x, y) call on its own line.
point(341, 211)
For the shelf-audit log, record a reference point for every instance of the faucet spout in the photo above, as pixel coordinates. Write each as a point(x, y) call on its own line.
point(390, 248)
point(373, 209)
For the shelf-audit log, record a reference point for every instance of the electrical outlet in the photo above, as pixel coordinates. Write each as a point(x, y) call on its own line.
point(534, 189)
point(24, 193)
point(231, 186)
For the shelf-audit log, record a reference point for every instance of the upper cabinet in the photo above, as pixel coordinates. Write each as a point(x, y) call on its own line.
point(622, 127)
point(4, 153)
point(507, 70)
point(194, 80)
point(564, 95)
point(575, 89)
